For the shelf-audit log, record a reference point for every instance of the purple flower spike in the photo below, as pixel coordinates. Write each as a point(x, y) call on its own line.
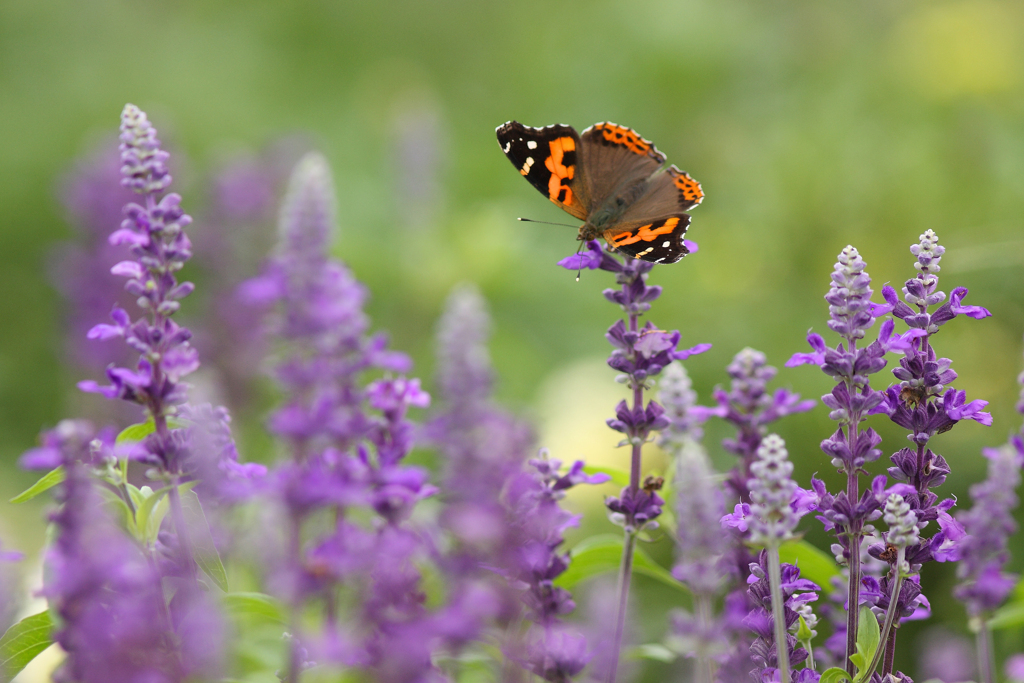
point(989, 525)
point(751, 408)
point(775, 505)
point(155, 236)
point(640, 353)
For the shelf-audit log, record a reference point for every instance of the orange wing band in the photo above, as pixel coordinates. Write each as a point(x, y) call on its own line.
point(647, 233)
point(689, 187)
point(620, 135)
point(558, 188)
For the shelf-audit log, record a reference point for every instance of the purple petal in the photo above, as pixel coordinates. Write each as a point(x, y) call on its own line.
point(976, 312)
point(692, 351)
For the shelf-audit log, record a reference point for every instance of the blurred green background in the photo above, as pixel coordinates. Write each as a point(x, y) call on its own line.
point(810, 125)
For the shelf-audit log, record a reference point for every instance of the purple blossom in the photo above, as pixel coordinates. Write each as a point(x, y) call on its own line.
point(699, 500)
point(483, 446)
point(989, 525)
point(109, 597)
point(751, 408)
point(93, 197)
point(154, 235)
point(537, 522)
point(775, 505)
point(796, 592)
point(234, 235)
point(1015, 668)
point(348, 444)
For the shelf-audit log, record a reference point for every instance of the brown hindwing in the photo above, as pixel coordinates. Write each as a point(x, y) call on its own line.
point(659, 241)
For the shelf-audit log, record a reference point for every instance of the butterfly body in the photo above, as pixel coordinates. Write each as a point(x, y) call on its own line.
point(613, 180)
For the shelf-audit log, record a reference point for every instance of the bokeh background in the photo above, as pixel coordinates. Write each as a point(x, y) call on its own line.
point(810, 125)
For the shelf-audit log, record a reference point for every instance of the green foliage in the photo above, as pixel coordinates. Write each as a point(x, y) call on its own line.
point(868, 635)
point(814, 564)
point(653, 651)
point(139, 431)
point(204, 549)
point(259, 620)
point(45, 483)
point(834, 675)
point(602, 554)
point(22, 642)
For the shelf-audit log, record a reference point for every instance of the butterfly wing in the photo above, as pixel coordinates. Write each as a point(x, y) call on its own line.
point(549, 158)
point(618, 159)
point(665, 197)
point(658, 240)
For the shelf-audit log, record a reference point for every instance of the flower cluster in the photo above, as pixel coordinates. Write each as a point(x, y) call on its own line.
point(796, 592)
point(989, 525)
point(639, 354)
point(372, 570)
point(348, 443)
point(750, 407)
point(537, 521)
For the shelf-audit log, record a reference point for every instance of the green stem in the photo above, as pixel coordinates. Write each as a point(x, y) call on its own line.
point(778, 613)
point(890, 617)
point(184, 538)
point(706, 668)
point(625, 574)
point(986, 656)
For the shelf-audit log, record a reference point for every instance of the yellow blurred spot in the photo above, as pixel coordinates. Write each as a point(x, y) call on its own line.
point(574, 403)
point(961, 48)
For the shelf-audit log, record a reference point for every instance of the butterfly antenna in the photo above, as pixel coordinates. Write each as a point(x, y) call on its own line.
point(579, 261)
point(530, 220)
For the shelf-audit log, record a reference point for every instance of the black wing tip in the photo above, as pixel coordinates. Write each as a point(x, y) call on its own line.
point(515, 125)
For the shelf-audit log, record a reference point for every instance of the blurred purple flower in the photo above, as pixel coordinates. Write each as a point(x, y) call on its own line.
point(989, 525)
point(236, 231)
point(93, 197)
point(114, 624)
point(750, 407)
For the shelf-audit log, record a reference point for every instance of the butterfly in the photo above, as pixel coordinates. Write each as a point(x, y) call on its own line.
point(613, 180)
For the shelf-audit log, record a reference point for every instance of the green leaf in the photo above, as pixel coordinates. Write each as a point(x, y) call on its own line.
point(602, 554)
point(619, 477)
point(834, 675)
point(803, 633)
point(22, 643)
point(150, 513)
point(254, 607)
point(205, 549)
point(140, 430)
point(868, 635)
point(816, 565)
point(1008, 616)
point(136, 432)
point(45, 483)
point(655, 651)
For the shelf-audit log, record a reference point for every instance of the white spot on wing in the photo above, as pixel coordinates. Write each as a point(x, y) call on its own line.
point(660, 260)
point(666, 244)
point(532, 144)
point(508, 146)
point(528, 165)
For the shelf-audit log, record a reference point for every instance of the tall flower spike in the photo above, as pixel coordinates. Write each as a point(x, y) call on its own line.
point(850, 364)
point(750, 407)
point(639, 354)
point(482, 446)
point(699, 504)
point(155, 236)
point(774, 512)
point(93, 197)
